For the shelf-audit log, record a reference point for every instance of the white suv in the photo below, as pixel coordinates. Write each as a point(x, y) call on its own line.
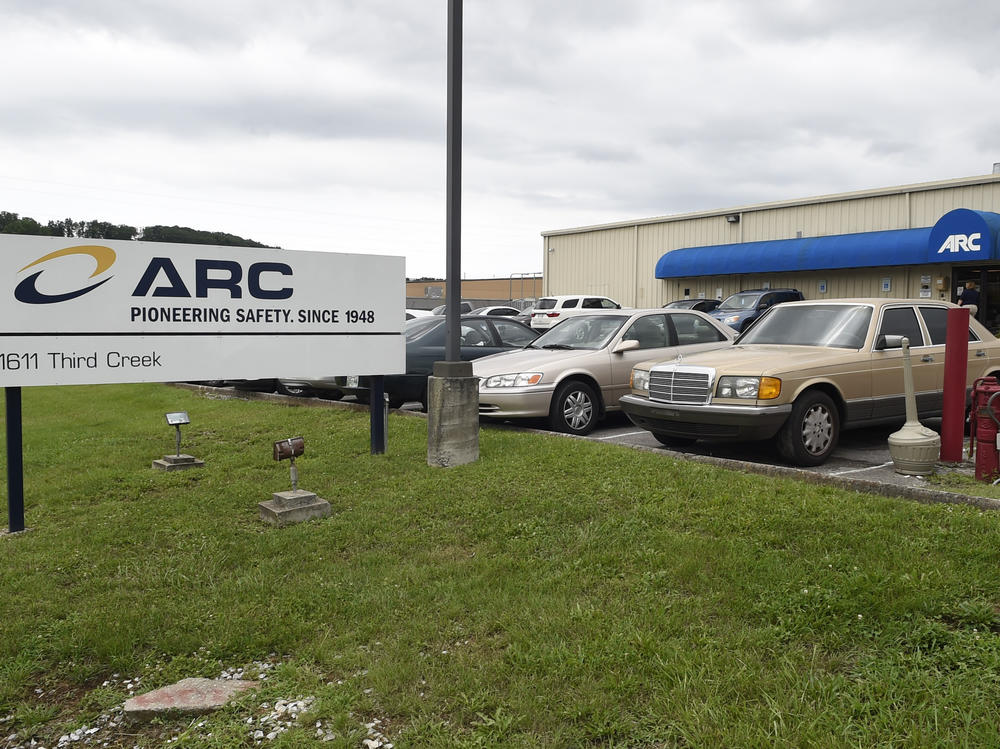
point(550, 310)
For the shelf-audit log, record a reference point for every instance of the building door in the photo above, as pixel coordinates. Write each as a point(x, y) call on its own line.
point(988, 282)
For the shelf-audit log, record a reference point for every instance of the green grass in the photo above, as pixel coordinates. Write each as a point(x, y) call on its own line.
point(555, 593)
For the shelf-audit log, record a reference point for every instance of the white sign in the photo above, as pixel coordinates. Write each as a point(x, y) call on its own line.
point(961, 243)
point(84, 311)
point(886, 285)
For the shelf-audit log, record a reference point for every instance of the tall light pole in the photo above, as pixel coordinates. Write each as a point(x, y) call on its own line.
point(453, 218)
point(452, 391)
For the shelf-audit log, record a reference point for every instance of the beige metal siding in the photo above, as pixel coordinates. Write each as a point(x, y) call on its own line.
point(599, 262)
point(931, 205)
point(619, 260)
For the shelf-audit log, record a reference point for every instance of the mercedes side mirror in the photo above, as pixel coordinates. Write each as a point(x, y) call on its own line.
point(884, 342)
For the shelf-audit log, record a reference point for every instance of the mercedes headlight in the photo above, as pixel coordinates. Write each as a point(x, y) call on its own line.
point(640, 380)
point(755, 388)
point(516, 380)
point(731, 319)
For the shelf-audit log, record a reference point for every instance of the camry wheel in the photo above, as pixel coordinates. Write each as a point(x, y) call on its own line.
point(574, 408)
point(812, 430)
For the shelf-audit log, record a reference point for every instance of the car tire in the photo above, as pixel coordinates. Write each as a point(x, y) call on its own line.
point(330, 395)
point(669, 440)
point(363, 397)
point(812, 430)
point(395, 401)
point(574, 408)
point(297, 390)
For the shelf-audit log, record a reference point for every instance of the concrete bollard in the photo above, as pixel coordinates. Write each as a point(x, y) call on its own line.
point(452, 415)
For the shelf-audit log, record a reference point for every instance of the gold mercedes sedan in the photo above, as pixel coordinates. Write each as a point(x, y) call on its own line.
point(576, 371)
point(803, 372)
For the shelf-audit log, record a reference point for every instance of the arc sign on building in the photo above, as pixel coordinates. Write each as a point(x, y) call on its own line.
point(91, 311)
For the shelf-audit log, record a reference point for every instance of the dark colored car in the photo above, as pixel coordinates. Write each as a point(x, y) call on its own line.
point(702, 305)
point(742, 309)
point(425, 343)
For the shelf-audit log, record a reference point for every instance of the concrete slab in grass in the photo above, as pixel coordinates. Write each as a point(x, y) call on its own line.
point(186, 697)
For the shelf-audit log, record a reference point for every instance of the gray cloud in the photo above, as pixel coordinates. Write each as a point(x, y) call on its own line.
point(574, 113)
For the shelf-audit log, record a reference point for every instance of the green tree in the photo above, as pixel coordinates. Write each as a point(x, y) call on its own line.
point(106, 230)
point(11, 223)
point(186, 235)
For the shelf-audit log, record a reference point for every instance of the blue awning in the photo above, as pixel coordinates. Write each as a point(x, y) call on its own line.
point(959, 236)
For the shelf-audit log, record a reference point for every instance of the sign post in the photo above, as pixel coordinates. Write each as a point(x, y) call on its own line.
point(15, 462)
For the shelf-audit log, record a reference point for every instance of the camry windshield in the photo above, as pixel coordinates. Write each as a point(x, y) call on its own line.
point(834, 325)
point(581, 332)
point(740, 301)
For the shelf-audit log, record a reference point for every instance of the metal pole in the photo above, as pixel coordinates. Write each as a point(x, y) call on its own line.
point(956, 364)
point(453, 233)
point(15, 462)
point(377, 414)
point(178, 428)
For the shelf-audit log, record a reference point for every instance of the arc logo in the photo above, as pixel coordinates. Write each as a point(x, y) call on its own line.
point(961, 243)
point(27, 291)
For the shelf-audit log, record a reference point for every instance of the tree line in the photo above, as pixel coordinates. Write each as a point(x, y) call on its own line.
point(11, 223)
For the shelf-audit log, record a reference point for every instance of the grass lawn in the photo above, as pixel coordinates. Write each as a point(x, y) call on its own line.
point(556, 593)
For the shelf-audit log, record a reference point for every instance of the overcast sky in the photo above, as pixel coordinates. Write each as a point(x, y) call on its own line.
point(320, 124)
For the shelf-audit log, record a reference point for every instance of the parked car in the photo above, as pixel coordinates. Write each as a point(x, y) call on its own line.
point(425, 344)
point(743, 308)
point(497, 310)
point(550, 310)
point(803, 373)
point(463, 307)
point(325, 387)
point(702, 305)
point(525, 315)
point(574, 373)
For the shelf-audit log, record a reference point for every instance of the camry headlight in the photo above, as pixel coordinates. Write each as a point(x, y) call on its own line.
point(756, 388)
point(640, 380)
point(516, 380)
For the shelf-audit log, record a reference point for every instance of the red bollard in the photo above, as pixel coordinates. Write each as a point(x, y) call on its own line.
point(956, 365)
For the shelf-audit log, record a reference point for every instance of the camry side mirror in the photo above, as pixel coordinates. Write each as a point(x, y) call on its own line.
point(622, 346)
point(888, 341)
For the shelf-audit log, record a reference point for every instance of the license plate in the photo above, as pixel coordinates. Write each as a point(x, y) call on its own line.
point(352, 381)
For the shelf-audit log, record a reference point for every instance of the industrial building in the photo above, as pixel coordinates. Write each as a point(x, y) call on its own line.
point(915, 241)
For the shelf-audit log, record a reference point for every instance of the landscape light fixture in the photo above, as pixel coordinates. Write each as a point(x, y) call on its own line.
point(733, 218)
point(290, 449)
point(175, 419)
point(177, 462)
point(285, 508)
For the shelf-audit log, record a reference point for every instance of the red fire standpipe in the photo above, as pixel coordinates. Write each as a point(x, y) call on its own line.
point(956, 364)
point(982, 389)
point(986, 424)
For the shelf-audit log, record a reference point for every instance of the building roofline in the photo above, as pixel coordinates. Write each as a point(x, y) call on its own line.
point(856, 195)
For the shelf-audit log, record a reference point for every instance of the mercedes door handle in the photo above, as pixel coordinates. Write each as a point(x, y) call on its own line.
point(927, 357)
point(980, 353)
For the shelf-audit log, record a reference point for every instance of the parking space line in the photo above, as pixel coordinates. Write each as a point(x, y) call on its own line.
point(859, 470)
point(624, 434)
